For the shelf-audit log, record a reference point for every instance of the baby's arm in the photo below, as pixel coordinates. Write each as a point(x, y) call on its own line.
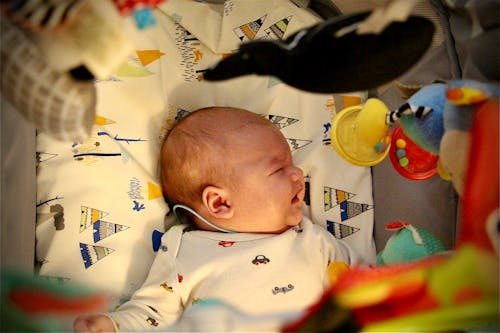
point(338, 249)
point(344, 253)
point(154, 306)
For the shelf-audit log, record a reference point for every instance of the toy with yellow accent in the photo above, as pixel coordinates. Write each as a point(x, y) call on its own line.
point(432, 136)
point(438, 118)
point(443, 292)
point(335, 270)
point(360, 134)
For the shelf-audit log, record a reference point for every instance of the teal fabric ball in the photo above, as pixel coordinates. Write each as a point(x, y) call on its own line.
point(402, 247)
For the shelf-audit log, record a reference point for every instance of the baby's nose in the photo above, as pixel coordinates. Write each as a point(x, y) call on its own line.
point(296, 174)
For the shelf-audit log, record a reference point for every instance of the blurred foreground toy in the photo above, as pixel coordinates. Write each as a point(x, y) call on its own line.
point(409, 243)
point(441, 292)
point(331, 57)
point(57, 49)
point(91, 38)
point(35, 304)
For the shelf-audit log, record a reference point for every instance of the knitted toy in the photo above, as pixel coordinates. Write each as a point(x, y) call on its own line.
point(409, 243)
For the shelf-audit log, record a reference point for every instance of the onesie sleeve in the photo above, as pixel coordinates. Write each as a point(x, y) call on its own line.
point(157, 303)
point(343, 252)
point(338, 249)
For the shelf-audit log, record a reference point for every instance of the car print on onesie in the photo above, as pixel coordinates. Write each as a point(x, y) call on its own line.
point(283, 290)
point(260, 259)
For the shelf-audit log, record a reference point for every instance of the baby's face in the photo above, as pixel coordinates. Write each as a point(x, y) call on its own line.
point(270, 189)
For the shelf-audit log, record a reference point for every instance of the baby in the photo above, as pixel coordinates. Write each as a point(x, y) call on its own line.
point(230, 172)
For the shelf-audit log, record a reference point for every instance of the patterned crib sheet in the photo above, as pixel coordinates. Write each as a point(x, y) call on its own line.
point(99, 202)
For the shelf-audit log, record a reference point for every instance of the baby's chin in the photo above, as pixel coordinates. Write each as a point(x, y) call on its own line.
point(290, 223)
point(296, 218)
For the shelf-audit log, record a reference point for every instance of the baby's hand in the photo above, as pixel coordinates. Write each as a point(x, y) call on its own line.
point(93, 323)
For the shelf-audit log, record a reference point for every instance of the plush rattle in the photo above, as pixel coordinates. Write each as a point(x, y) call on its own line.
point(409, 243)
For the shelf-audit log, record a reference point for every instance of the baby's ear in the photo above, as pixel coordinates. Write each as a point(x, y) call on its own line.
point(217, 202)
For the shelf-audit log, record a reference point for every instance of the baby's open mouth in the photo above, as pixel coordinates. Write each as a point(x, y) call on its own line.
point(297, 199)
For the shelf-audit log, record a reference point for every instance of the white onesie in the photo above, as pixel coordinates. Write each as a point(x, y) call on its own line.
point(255, 273)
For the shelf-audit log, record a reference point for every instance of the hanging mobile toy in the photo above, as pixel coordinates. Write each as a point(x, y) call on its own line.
point(331, 57)
point(360, 134)
point(431, 136)
point(409, 160)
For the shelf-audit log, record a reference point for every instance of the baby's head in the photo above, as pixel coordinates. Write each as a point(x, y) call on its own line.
point(235, 169)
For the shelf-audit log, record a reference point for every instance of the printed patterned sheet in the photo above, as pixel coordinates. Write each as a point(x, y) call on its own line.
point(100, 208)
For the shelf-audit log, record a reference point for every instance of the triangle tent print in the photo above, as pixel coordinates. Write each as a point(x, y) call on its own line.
point(248, 31)
point(91, 254)
point(100, 120)
point(103, 229)
point(128, 70)
point(281, 121)
point(340, 230)
point(89, 216)
point(148, 56)
point(333, 197)
point(349, 209)
point(43, 156)
point(278, 29)
point(297, 143)
point(154, 191)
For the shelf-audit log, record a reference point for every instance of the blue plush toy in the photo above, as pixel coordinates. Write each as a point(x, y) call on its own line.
point(421, 117)
point(409, 243)
point(438, 118)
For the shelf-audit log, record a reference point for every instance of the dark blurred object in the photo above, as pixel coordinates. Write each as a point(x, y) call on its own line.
point(331, 57)
point(323, 8)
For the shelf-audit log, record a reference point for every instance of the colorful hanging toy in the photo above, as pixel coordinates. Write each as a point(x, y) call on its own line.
point(432, 135)
point(458, 291)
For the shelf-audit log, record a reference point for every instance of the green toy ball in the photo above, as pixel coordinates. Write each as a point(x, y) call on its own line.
point(408, 244)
